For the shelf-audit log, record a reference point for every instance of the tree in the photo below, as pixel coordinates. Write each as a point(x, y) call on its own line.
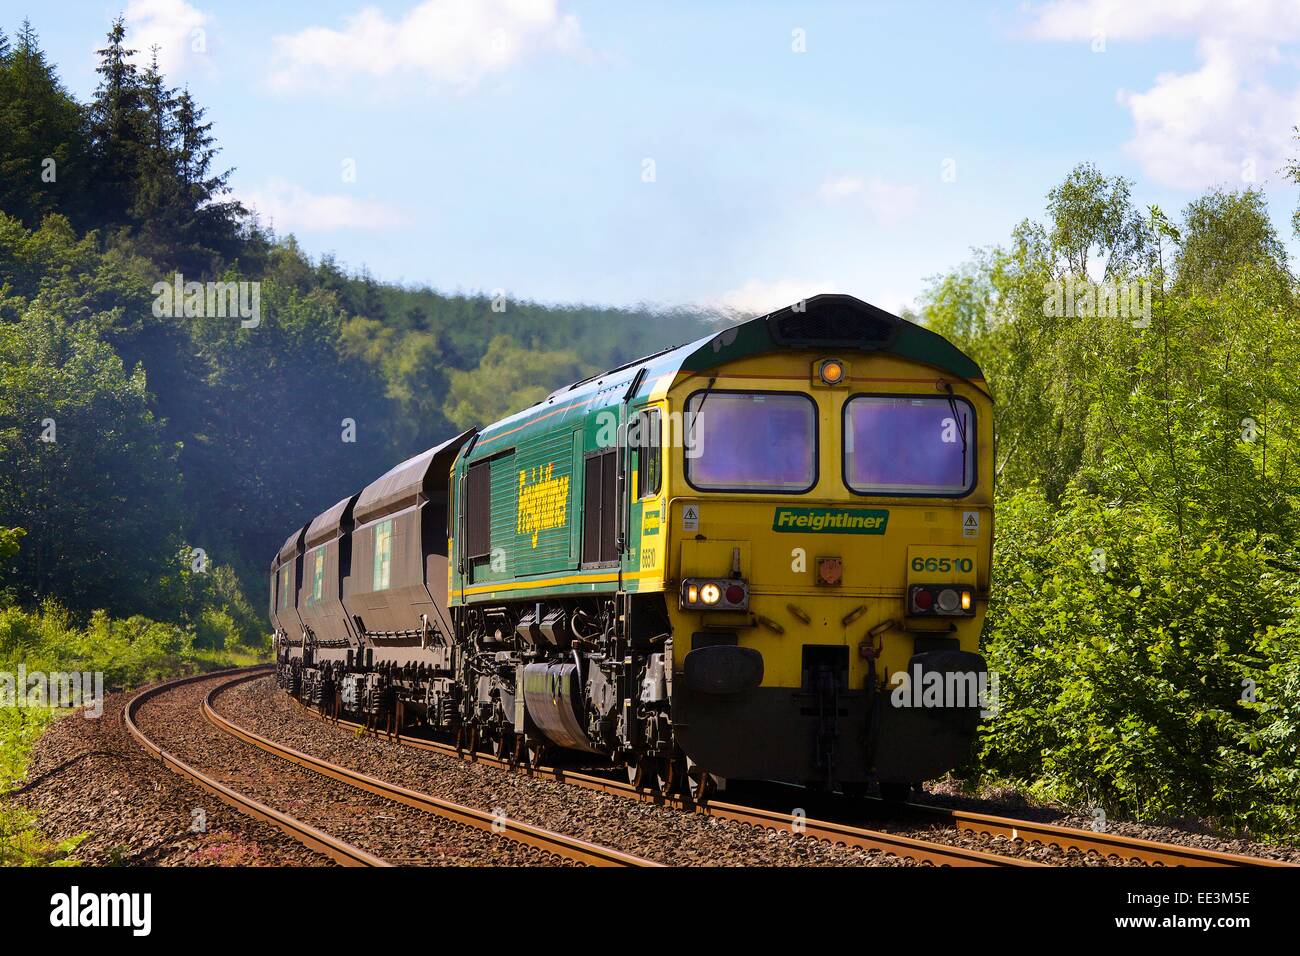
point(119, 127)
point(82, 468)
point(212, 225)
point(510, 378)
point(42, 140)
point(1090, 211)
point(1222, 233)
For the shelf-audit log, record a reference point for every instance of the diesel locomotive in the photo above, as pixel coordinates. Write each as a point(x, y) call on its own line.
point(763, 555)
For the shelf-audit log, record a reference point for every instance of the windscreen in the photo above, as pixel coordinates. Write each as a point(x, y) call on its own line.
point(908, 445)
point(751, 441)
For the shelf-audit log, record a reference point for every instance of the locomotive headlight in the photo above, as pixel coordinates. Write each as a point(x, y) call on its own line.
point(714, 594)
point(965, 600)
point(948, 600)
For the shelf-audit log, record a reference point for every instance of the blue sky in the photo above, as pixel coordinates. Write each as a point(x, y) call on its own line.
point(506, 144)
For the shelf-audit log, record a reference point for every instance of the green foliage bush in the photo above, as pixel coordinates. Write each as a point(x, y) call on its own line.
point(128, 651)
point(1165, 684)
point(1150, 679)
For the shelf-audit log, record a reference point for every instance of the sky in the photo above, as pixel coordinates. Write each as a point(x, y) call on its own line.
point(709, 153)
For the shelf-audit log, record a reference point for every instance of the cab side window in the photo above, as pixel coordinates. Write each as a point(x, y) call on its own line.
point(649, 455)
point(478, 510)
point(600, 508)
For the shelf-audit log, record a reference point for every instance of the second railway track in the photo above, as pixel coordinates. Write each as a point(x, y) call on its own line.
point(348, 817)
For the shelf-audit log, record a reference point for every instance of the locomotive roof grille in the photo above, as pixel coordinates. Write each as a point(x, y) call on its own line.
point(835, 324)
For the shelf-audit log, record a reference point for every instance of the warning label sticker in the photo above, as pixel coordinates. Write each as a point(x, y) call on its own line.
point(691, 518)
point(970, 524)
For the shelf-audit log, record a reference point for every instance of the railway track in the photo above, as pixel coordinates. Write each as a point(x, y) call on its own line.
point(554, 844)
point(338, 850)
point(1109, 846)
point(904, 847)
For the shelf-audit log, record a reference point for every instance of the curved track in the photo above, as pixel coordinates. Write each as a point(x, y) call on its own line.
point(336, 849)
point(1107, 845)
point(904, 847)
point(570, 848)
point(552, 844)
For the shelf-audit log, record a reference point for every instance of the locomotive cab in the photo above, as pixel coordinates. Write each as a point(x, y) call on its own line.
point(832, 509)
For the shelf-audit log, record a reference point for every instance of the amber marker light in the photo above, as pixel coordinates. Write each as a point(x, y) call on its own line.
point(965, 600)
point(831, 371)
point(692, 595)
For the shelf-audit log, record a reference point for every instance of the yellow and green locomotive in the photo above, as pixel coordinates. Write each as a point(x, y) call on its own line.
point(762, 555)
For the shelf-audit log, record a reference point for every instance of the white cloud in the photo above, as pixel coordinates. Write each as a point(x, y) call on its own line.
point(179, 30)
point(888, 203)
point(758, 297)
point(445, 42)
point(1221, 123)
point(1272, 20)
point(288, 207)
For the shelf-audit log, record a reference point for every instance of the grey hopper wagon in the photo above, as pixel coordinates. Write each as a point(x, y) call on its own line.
point(286, 578)
point(396, 593)
point(327, 562)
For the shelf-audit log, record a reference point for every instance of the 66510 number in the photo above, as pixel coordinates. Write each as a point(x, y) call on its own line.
point(943, 565)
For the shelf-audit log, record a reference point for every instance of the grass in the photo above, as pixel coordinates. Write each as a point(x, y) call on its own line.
point(128, 652)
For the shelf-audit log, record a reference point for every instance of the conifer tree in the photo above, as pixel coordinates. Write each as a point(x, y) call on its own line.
point(119, 124)
point(42, 142)
point(215, 223)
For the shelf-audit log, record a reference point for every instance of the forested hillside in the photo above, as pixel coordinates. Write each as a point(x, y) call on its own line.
point(129, 439)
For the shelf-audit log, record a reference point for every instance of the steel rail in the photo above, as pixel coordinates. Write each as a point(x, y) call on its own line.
point(1109, 845)
point(558, 844)
point(938, 854)
point(332, 847)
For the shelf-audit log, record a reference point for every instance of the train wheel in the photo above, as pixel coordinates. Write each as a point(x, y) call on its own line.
point(700, 785)
point(640, 773)
point(472, 744)
point(503, 745)
point(671, 773)
point(536, 753)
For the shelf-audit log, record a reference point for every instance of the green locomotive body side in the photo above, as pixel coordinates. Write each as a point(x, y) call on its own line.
point(536, 461)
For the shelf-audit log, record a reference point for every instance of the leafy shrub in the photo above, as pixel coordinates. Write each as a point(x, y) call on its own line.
point(1146, 677)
